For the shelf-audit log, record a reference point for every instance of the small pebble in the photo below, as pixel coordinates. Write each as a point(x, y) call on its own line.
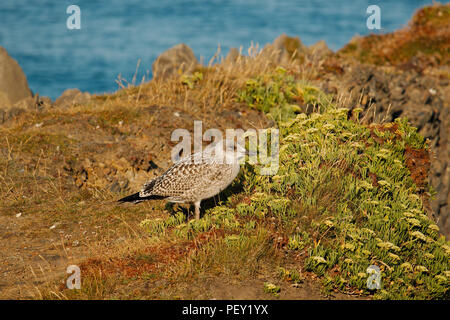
point(54, 225)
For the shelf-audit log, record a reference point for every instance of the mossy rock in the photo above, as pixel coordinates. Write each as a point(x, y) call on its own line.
point(426, 37)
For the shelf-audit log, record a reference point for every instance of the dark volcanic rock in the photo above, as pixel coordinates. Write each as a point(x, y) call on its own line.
point(389, 93)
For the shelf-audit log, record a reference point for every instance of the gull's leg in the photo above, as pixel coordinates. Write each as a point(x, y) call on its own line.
point(197, 210)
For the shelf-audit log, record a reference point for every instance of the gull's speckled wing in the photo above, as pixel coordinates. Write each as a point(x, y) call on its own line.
point(187, 181)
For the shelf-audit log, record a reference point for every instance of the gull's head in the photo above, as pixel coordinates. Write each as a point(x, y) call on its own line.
point(225, 151)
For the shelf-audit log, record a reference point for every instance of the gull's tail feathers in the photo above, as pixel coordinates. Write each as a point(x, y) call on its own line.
point(136, 198)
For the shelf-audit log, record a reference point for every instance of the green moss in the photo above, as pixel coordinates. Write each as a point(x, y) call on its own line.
point(191, 80)
point(293, 47)
point(271, 288)
point(425, 45)
point(349, 48)
point(437, 16)
point(291, 275)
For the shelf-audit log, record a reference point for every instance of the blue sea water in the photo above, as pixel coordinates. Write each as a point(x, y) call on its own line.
point(116, 34)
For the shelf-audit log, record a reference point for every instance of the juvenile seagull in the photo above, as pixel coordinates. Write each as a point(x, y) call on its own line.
point(196, 177)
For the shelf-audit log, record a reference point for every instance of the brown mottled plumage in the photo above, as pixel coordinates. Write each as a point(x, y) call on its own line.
point(194, 178)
